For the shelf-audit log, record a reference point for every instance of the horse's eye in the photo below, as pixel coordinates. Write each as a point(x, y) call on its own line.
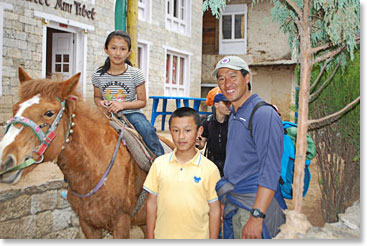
point(49, 113)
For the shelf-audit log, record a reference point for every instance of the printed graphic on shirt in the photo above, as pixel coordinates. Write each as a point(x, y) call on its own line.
point(115, 91)
point(197, 179)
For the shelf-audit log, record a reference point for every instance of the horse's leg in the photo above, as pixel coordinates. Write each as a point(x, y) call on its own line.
point(121, 227)
point(140, 219)
point(89, 231)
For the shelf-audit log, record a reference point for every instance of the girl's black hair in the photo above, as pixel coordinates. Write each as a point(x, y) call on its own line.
point(107, 64)
point(244, 73)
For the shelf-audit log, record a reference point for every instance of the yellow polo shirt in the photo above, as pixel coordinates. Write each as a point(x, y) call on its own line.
point(184, 191)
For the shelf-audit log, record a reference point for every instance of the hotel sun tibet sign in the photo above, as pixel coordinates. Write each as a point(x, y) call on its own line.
point(75, 7)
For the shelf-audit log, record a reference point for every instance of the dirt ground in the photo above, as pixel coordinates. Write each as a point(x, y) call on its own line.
point(312, 201)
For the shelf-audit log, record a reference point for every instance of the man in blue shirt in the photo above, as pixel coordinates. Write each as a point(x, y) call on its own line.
point(250, 187)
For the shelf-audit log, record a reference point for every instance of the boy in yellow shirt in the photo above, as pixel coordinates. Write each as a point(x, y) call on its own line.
point(182, 202)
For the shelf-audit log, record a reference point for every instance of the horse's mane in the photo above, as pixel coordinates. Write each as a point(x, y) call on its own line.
point(44, 87)
point(51, 88)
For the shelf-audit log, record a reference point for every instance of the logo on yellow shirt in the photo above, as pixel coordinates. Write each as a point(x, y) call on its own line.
point(197, 179)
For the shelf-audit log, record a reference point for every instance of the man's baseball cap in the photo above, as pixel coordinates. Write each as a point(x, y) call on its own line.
point(232, 62)
point(220, 97)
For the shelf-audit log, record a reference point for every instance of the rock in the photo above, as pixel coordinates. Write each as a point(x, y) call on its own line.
point(348, 226)
point(296, 225)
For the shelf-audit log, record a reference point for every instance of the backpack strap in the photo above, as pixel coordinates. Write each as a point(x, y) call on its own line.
point(258, 105)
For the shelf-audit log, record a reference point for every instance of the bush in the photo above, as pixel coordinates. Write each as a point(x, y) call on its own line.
point(338, 143)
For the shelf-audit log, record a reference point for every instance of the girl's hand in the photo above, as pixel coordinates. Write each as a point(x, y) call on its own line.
point(104, 103)
point(115, 106)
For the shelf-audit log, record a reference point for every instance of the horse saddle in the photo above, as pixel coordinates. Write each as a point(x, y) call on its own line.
point(134, 142)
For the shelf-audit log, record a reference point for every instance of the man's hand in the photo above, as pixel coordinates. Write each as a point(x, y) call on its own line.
point(252, 229)
point(200, 142)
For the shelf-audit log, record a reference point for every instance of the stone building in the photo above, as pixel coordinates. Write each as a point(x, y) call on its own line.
point(178, 46)
point(52, 36)
point(250, 33)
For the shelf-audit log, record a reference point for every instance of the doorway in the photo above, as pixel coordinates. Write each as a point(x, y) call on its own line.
point(60, 53)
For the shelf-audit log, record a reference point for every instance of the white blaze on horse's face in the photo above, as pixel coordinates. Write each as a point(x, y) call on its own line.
point(26, 104)
point(14, 131)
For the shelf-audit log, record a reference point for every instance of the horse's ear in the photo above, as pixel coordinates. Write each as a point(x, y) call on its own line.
point(22, 75)
point(68, 86)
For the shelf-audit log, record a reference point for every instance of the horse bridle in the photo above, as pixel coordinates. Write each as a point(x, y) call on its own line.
point(44, 138)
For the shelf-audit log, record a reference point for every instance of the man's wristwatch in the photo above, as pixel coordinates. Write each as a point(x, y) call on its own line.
point(256, 213)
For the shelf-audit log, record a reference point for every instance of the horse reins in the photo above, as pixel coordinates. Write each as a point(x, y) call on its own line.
point(102, 180)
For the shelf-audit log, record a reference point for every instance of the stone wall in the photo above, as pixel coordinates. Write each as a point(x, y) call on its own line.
point(34, 208)
point(38, 211)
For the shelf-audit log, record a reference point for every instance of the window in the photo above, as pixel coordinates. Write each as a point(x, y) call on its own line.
point(143, 61)
point(233, 29)
point(178, 16)
point(144, 10)
point(177, 81)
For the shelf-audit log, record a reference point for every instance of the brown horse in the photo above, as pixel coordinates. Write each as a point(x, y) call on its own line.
point(83, 155)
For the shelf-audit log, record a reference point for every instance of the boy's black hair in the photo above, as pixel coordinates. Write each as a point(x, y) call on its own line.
point(185, 112)
point(103, 69)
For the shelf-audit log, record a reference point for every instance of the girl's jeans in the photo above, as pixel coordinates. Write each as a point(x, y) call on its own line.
point(147, 131)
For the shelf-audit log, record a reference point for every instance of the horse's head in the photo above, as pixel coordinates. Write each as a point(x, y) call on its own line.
point(36, 132)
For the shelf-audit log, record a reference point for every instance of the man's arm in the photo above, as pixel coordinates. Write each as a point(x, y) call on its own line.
point(253, 227)
point(269, 147)
point(214, 219)
point(151, 216)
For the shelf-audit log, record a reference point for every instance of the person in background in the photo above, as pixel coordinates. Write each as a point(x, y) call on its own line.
point(249, 190)
point(182, 202)
point(215, 132)
point(120, 87)
point(211, 94)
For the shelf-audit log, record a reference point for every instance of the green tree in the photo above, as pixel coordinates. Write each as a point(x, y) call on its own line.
point(321, 32)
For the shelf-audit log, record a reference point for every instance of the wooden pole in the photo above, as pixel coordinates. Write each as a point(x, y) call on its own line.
point(301, 145)
point(132, 29)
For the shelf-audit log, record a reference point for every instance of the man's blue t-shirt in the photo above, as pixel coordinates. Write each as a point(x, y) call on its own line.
point(258, 156)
